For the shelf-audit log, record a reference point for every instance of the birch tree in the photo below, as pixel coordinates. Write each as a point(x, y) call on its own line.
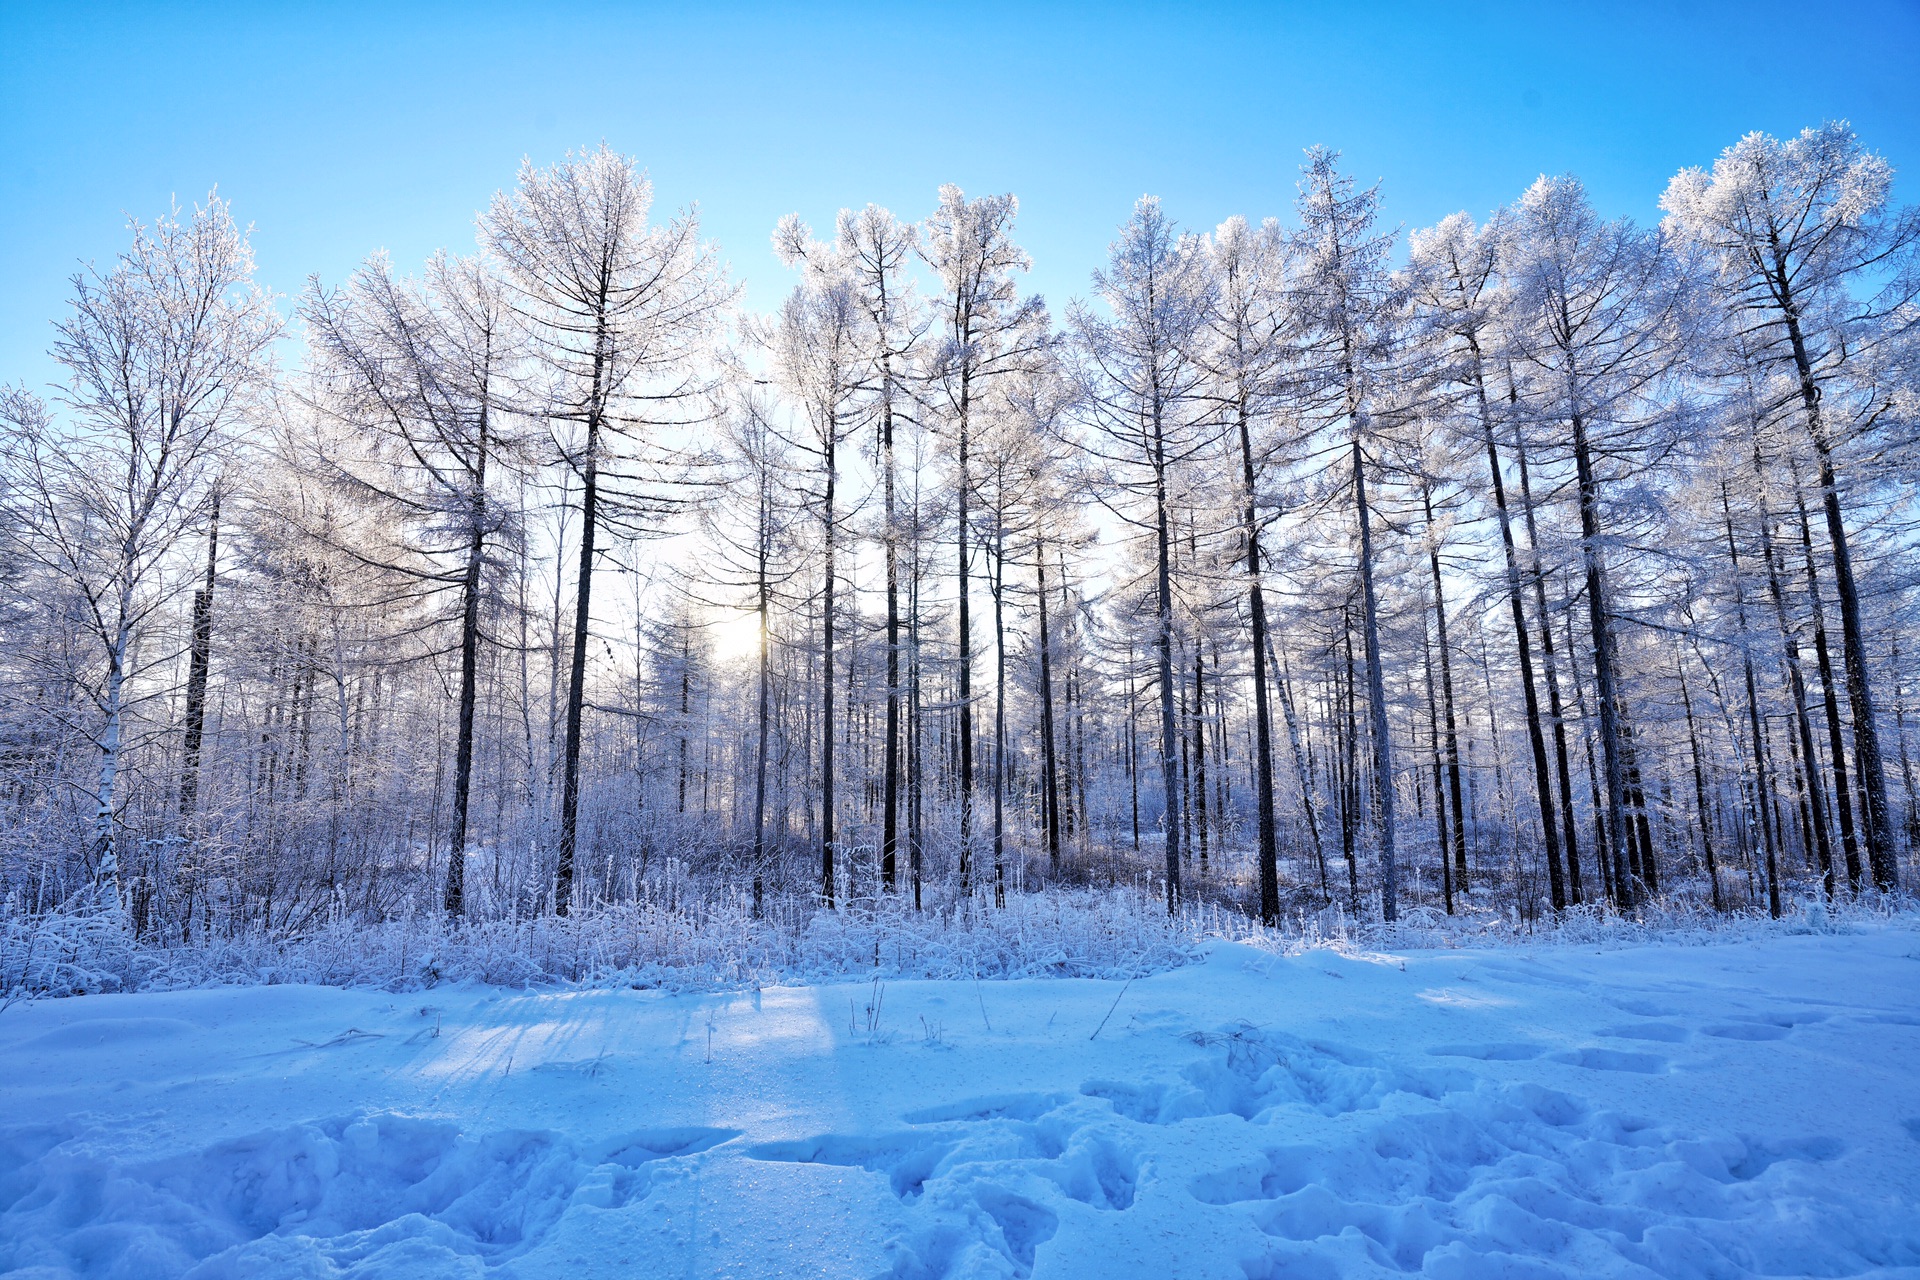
point(165, 354)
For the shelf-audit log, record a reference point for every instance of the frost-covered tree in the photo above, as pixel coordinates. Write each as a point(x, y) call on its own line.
point(1245, 352)
point(619, 309)
point(1821, 277)
point(982, 330)
point(1347, 306)
point(165, 353)
point(1598, 308)
point(420, 375)
point(1141, 388)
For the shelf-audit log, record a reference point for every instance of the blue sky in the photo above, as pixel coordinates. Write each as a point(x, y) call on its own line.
point(342, 129)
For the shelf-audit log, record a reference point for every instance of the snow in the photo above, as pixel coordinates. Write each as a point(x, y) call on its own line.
point(1744, 1107)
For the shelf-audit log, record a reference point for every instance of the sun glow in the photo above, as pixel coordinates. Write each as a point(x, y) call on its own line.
point(734, 636)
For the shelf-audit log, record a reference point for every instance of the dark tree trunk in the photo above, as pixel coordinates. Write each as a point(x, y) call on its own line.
point(577, 678)
point(1452, 733)
point(199, 657)
point(1556, 710)
point(763, 598)
point(1606, 694)
point(1050, 773)
point(1836, 741)
point(1753, 714)
point(1814, 816)
point(1439, 778)
point(1376, 696)
point(828, 531)
point(1350, 774)
point(1169, 731)
point(965, 668)
point(1536, 737)
point(1866, 739)
point(1701, 807)
point(456, 894)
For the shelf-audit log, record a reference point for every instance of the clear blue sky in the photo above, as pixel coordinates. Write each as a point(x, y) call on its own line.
point(341, 129)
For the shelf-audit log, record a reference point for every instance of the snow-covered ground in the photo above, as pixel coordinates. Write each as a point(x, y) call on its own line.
point(1744, 1107)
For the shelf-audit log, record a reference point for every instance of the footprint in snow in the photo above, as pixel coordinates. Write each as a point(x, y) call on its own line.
point(1013, 1106)
point(1647, 1064)
point(969, 1179)
point(1748, 1031)
point(1664, 1032)
point(1501, 1052)
point(377, 1191)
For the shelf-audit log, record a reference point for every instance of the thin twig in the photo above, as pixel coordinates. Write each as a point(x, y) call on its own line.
point(1110, 1008)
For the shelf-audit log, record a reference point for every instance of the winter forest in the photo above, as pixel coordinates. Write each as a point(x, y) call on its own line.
point(810, 687)
point(1527, 565)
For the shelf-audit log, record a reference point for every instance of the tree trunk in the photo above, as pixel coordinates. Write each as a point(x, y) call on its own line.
point(1866, 739)
point(827, 533)
point(456, 892)
point(1452, 734)
point(1606, 694)
point(1376, 695)
point(200, 655)
point(1439, 777)
point(999, 704)
point(763, 592)
point(1556, 710)
point(1836, 742)
point(1536, 736)
point(1050, 775)
point(1815, 815)
point(965, 667)
point(1753, 715)
point(1701, 807)
point(1169, 732)
point(577, 679)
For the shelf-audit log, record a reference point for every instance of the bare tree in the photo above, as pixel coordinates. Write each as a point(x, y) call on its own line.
point(164, 353)
point(619, 309)
point(420, 373)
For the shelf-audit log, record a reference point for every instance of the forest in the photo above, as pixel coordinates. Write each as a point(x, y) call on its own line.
point(1302, 570)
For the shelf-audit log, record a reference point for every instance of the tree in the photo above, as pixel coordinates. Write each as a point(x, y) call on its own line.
point(819, 355)
point(420, 373)
point(1597, 311)
point(983, 331)
point(164, 354)
point(1457, 289)
point(876, 248)
point(1818, 273)
point(618, 310)
point(1248, 332)
point(1346, 304)
point(1141, 391)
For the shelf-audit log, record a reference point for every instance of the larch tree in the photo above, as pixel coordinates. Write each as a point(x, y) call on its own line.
point(1347, 304)
point(421, 375)
point(1245, 353)
point(619, 309)
point(818, 348)
point(1818, 271)
point(1141, 391)
point(1597, 313)
point(982, 329)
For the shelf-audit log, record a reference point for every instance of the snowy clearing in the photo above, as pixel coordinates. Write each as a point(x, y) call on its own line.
point(1741, 1108)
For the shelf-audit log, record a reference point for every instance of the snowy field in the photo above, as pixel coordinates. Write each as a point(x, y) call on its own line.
point(1739, 1108)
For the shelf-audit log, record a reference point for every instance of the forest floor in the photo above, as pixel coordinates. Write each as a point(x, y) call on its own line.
point(1739, 1107)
